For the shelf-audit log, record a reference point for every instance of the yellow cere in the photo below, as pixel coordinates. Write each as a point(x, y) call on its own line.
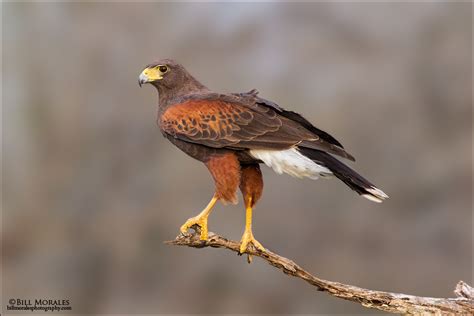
point(154, 73)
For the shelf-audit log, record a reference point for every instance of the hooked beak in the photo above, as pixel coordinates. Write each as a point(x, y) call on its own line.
point(142, 79)
point(149, 75)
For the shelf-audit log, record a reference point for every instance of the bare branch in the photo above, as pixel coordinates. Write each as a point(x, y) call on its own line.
point(385, 301)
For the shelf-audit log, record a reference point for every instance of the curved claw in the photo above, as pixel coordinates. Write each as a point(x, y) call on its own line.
point(248, 239)
point(200, 221)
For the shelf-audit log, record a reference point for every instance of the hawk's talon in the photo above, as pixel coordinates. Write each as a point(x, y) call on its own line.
point(248, 239)
point(199, 221)
point(249, 259)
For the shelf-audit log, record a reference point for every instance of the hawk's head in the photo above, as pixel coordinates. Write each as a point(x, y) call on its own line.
point(168, 76)
point(162, 72)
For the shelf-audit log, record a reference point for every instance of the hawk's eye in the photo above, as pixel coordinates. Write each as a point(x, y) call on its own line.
point(163, 69)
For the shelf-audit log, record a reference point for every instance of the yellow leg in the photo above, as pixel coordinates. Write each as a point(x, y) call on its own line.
point(247, 237)
point(200, 219)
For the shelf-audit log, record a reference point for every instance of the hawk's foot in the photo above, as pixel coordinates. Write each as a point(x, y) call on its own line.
point(247, 239)
point(200, 221)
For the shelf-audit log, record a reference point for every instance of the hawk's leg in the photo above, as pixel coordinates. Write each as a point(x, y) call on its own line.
point(200, 219)
point(247, 237)
point(251, 185)
point(225, 169)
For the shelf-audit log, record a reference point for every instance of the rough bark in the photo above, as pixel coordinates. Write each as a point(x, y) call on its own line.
point(385, 301)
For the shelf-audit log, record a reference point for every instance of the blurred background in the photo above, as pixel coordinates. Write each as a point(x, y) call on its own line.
point(91, 189)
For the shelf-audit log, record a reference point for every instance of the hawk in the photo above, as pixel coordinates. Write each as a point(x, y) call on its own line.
point(232, 134)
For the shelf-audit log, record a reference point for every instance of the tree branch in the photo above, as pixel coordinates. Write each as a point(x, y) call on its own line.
point(385, 301)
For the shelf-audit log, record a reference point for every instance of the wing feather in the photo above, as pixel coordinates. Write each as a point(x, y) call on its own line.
point(243, 121)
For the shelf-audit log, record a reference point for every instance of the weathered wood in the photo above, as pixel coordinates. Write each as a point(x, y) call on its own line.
point(385, 301)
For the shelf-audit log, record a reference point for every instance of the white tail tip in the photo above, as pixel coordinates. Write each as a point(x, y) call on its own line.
point(376, 195)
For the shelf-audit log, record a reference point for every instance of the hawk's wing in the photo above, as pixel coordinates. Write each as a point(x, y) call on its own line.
point(243, 121)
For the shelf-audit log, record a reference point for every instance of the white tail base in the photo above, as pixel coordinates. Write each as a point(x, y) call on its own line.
point(292, 162)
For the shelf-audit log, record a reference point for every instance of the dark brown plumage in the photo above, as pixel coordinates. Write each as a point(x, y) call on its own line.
point(233, 133)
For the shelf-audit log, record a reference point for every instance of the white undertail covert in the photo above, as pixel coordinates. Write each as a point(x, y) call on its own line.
point(292, 162)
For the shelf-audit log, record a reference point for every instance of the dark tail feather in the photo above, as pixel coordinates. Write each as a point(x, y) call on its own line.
point(351, 178)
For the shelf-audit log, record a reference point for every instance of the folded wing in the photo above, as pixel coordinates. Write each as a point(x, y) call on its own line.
point(243, 121)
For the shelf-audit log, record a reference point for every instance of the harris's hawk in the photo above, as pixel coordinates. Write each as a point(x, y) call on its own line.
point(233, 133)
